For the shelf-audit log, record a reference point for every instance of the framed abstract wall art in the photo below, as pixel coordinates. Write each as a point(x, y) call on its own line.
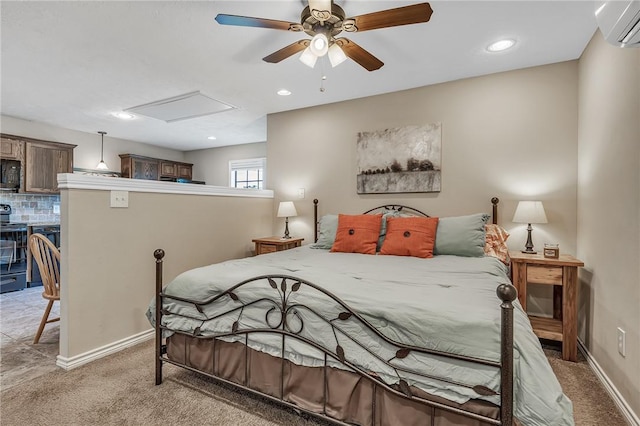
point(399, 160)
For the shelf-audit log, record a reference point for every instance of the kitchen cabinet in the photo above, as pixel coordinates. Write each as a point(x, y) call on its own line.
point(11, 149)
point(43, 162)
point(38, 162)
point(140, 167)
point(184, 170)
point(168, 169)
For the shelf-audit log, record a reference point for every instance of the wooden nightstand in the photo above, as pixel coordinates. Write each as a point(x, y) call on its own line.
point(272, 244)
point(562, 274)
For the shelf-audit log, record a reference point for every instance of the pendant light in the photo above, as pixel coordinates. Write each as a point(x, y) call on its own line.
point(102, 165)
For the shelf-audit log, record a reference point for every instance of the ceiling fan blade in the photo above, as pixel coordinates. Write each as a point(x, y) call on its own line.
point(287, 51)
point(247, 21)
point(406, 15)
point(358, 54)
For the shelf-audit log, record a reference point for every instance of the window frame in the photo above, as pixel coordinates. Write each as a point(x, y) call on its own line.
point(259, 164)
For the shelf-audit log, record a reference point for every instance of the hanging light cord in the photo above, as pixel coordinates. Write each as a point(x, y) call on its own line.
point(323, 75)
point(102, 146)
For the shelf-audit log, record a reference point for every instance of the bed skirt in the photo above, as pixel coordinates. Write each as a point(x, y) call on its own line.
point(350, 398)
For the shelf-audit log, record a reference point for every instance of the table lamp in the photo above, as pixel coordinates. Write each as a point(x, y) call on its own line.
point(286, 209)
point(529, 212)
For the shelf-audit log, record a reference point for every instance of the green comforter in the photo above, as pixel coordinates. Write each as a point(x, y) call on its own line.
point(447, 303)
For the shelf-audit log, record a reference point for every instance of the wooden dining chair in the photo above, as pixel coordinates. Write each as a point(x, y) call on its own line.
point(47, 257)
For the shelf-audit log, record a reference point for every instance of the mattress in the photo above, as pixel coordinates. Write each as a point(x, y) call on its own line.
point(446, 303)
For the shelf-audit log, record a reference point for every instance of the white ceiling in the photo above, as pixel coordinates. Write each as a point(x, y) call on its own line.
point(71, 64)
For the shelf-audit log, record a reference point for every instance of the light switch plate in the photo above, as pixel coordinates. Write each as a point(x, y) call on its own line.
point(301, 193)
point(622, 344)
point(120, 199)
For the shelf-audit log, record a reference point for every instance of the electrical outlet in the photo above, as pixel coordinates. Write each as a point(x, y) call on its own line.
point(56, 209)
point(120, 199)
point(622, 345)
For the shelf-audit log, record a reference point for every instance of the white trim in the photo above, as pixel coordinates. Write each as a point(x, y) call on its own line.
point(94, 354)
point(619, 400)
point(78, 181)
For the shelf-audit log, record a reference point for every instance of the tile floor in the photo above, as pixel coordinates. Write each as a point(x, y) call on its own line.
point(20, 359)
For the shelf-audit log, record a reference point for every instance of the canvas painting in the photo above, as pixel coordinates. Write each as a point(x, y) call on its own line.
point(402, 159)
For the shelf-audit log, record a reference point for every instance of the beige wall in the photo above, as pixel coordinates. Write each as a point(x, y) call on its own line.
point(609, 210)
point(511, 135)
point(108, 265)
point(87, 154)
point(212, 165)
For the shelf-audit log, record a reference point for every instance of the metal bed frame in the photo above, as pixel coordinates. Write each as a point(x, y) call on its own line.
point(282, 317)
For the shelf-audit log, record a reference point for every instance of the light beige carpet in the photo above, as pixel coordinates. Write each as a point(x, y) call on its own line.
point(119, 390)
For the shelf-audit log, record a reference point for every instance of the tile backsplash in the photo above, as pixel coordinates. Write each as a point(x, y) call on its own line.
point(32, 208)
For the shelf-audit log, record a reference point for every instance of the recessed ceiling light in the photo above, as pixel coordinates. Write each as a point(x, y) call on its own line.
point(124, 115)
point(284, 92)
point(501, 45)
point(212, 138)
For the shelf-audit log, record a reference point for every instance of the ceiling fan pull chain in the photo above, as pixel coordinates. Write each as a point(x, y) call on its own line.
point(323, 76)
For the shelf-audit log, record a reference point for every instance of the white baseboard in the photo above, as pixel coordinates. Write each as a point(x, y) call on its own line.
point(619, 400)
point(94, 354)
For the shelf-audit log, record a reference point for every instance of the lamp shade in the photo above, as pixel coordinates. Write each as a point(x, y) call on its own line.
point(319, 45)
point(287, 209)
point(336, 55)
point(308, 58)
point(530, 212)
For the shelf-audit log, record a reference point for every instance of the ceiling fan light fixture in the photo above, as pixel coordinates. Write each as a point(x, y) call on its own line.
point(308, 58)
point(319, 45)
point(336, 55)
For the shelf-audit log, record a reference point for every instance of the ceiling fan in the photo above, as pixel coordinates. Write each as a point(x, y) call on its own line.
point(324, 20)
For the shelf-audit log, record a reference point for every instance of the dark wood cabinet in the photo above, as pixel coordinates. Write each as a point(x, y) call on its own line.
point(40, 162)
point(140, 167)
point(11, 149)
point(43, 162)
point(185, 170)
point(168, 169)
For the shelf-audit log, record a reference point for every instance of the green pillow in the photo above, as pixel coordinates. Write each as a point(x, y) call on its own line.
point(383, 225)
point(461, 235)
point(328, 229)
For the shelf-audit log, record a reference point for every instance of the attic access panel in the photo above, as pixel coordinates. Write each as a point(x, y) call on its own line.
point(181, 107)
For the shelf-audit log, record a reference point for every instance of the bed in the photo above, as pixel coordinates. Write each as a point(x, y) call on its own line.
point(363, 339)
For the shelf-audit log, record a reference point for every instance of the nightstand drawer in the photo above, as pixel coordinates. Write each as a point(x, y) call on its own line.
point(274, 244)
point(268, 248)
point(538, 274)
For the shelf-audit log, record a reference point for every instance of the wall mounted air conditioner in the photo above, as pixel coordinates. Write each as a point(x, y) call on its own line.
point(619, 21)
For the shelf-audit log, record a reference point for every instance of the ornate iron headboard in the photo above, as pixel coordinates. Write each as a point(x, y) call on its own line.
point(396, 207)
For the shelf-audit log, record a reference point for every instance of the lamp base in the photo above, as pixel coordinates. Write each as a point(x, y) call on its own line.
point(529, 244)
point(286, 229)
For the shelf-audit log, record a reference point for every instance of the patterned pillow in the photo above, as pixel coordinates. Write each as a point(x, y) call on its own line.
point(357, 233)
point(410, 236)
point(496, 242)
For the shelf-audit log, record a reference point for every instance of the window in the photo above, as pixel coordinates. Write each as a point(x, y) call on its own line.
point(247, 173)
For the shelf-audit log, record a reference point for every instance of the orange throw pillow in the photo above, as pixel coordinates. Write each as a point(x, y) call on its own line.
point(357, 233)
point(410, 236)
